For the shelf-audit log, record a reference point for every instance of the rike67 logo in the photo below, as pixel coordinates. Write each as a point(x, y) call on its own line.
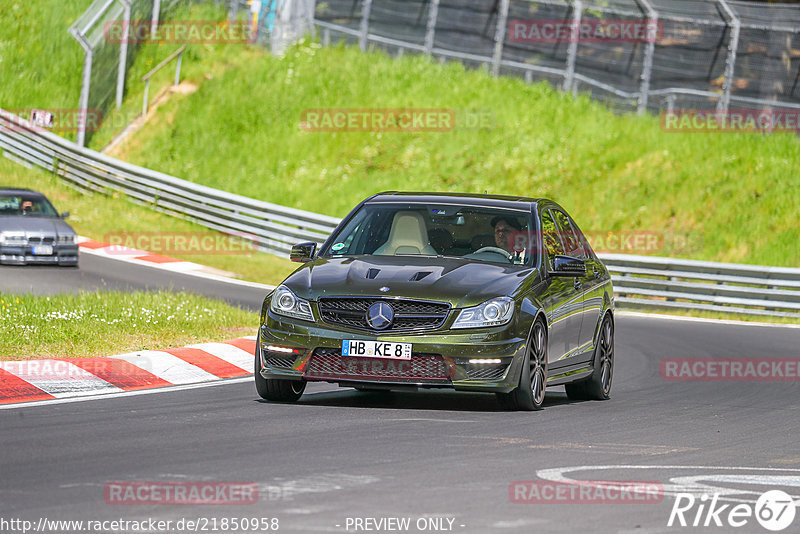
point(774, 510)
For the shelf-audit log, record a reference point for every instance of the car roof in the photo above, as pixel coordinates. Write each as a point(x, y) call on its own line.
point(474, 199)
point(19, 191)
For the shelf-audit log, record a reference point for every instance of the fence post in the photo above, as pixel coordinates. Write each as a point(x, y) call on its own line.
point(647, 64)
point(365, 9)
point(83, 105)
point(156, 15)
point(430, 29)
point(123, 50)
point(572, 51)
point(234, 10)
point(730, 61)
point(500, 36)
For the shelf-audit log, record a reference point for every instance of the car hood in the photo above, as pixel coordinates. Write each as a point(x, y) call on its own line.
point(460, 282)
point(50, 226)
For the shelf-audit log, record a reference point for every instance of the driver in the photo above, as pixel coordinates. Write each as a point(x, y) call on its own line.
point(504, 228)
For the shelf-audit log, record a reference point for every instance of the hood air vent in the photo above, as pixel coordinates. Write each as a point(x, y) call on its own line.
point(419, 276)
point(372, 273)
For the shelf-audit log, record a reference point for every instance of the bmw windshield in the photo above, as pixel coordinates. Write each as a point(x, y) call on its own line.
point(477, 233)
point(26, 205)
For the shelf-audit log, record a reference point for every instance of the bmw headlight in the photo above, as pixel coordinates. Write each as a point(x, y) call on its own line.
point(284, 302)
point(66, 239)
point(493, 312)
point(11, 239)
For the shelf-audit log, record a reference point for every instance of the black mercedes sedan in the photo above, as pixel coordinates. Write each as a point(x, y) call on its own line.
point(32, 231)
point(438, 290)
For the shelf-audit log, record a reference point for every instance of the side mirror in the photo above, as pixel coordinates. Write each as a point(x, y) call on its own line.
point(568, 266)
point(64, 214)
point(303, 252)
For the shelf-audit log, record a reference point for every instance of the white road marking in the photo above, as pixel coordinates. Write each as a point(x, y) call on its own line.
point(233, 355)
point(59, 378)
point(166, 366)
point(692, 484)
point(625, 313)
point(135, 393)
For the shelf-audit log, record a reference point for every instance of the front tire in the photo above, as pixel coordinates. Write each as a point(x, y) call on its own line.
point(598, 385)
point(529, 393)
point(273, 389)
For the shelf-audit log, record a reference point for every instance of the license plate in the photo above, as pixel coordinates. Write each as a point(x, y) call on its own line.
point(43, 250)
point(376, 349)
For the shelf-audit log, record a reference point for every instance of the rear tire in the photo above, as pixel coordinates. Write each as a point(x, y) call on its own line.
point(598, 385)
point(529, 393)
point(273, 389)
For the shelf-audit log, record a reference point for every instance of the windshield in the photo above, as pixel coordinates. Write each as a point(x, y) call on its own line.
point(471, 232)
point(26, 205)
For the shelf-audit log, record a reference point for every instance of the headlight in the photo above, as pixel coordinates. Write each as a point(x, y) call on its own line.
point(284, 302)
point(66, 239)
point(491, 313)
point(7, 238)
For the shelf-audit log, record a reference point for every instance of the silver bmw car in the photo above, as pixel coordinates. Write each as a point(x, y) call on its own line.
point(32, 231)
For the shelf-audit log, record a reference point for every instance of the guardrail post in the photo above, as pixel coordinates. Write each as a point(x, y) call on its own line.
point(123, 50)
point(178, 68)
point(572, 51)
point(430, 29)
point(647, 66)
point(146, 94)
point(365, 9)
point(730, 62)
point(500, 36)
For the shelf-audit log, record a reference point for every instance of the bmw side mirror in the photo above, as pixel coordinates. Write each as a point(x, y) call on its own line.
point(568, 266)
point(64, 214)
point(303, 252)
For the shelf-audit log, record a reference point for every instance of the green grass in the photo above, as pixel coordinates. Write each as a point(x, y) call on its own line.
point(41, 64)
point(106, 323)
point(96, 216)
point(736, 194)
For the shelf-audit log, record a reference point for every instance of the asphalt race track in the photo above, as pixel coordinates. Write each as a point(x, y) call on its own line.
point(340, 454)
point(99, 273)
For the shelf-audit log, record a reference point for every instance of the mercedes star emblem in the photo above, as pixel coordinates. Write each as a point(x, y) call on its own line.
point(380, 315)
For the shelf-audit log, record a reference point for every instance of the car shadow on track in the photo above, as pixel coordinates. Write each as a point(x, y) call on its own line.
point(417, 400)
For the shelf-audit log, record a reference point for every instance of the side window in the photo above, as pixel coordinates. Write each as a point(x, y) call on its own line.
point(569, 237)
point(550, 239)
point(587, 249)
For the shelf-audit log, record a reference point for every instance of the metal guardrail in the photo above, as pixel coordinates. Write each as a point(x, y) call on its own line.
point(272, 228)
point(668, 283)
point(639, 281)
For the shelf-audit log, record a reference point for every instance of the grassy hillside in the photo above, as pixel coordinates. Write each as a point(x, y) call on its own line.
point(736, 193)
point(41, 63)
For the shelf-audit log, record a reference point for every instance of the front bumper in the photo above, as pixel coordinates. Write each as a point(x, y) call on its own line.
point(440, 358)
point(63, 254)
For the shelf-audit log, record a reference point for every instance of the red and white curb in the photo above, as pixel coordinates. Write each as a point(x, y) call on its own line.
point(151, 259)
point(39, 380)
